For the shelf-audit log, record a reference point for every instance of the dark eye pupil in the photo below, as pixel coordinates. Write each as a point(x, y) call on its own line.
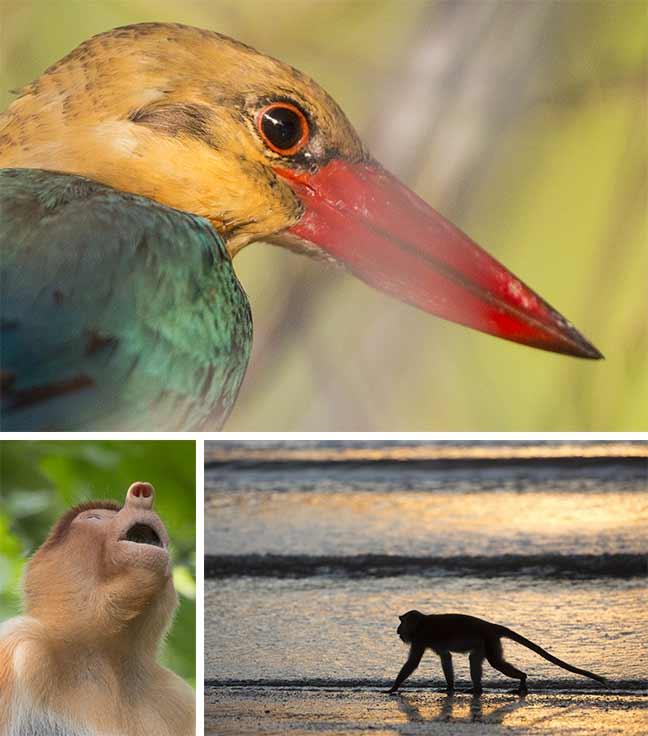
point(282, 127)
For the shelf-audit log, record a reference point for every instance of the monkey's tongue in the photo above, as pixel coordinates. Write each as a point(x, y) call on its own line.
point(143, 534)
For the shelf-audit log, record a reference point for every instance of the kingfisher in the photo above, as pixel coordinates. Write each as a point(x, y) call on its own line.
point(132, 172)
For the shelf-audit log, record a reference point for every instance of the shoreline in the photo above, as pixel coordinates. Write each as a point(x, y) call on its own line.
point(623, 688)
point(619, 565)
point(424, 464)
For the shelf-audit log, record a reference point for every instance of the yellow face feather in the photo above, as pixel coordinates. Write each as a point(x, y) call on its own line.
point(168, 111)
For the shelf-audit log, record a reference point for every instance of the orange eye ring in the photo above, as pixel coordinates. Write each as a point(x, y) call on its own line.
point(283, 128)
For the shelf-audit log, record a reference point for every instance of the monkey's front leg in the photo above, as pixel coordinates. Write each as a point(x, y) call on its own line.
point(448, 670)
point(413, 661)
point(476, 661)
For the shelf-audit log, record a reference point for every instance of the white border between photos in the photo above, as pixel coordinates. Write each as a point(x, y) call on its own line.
point(201, 437)
point(200, 586)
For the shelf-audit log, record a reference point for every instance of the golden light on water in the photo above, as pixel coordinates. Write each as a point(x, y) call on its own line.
point(316, 452)
point(303, 503)
point(444, 522)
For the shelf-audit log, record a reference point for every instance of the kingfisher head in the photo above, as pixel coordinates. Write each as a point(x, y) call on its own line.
point(203, 123)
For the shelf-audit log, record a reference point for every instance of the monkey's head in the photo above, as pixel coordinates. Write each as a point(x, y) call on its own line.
point(409, 623)
point(104, 571)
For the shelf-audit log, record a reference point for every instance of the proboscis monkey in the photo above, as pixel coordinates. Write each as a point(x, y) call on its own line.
point(99, 597)
point(453, 632)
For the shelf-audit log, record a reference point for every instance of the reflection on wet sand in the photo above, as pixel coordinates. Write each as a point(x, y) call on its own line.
point(248, 711)
point(451, 708)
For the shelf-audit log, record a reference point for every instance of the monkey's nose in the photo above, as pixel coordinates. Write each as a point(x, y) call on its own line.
point(140, 495)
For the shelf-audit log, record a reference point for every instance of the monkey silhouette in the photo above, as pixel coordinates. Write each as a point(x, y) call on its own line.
point(452, 632)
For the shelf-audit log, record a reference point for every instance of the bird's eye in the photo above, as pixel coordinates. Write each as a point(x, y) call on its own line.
point(283, 127)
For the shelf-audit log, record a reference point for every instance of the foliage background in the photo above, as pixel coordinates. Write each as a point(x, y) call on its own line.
point(523, 121)
point(39, 480)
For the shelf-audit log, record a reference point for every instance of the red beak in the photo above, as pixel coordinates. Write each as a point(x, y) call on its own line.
point(382, 232)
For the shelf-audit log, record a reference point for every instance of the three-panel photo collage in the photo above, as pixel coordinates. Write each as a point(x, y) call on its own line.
point(292, 441)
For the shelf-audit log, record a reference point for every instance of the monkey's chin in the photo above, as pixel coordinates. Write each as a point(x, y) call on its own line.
point(147, 556)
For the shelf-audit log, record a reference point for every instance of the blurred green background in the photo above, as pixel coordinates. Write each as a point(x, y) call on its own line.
point(39, 480)
point(525, 123)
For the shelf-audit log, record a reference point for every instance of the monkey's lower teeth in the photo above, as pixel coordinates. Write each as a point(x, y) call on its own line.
point(143, 534)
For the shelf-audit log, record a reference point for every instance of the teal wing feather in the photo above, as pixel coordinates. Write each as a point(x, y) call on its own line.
point(117, 313)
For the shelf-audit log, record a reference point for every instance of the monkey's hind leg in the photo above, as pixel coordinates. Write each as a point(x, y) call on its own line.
point(495, 658)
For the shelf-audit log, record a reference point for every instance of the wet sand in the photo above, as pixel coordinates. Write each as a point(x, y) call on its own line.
point(265, 711)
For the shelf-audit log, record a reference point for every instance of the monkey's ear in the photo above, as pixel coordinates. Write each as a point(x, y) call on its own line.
point(400, 618)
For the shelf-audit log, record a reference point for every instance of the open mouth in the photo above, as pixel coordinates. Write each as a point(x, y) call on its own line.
point(143, 534)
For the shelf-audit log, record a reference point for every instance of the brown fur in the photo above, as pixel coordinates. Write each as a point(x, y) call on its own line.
point(96, 608)
point(62, 526)
point(168, 111)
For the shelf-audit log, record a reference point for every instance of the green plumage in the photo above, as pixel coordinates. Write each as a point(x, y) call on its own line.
point(117, 313)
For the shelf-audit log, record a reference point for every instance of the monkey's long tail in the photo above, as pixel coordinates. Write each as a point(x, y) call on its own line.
point(509, 634)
